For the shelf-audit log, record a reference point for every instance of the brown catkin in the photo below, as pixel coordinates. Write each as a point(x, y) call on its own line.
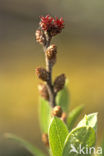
point(42, 74)
point(57, 111)
point(59, 83)
point(39, 36)
point(43, 91)
point(51, 52)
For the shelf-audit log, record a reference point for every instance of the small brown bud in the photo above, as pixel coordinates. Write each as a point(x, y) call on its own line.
point(57, 111)
point(43, 91)
point(45, 139)
point(39, 36)
point(59, 83)
point(51, 52)
point(64, 116)
point(42, 74)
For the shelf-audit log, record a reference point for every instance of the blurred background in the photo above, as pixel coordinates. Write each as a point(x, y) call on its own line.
point(80, 57)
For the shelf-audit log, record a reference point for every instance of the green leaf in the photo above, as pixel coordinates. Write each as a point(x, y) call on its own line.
point(33, 150)
point(73, 115)
point(57, 135)
point(89, 120)
point(79, 137)
point(44, 114)
point(62, 99)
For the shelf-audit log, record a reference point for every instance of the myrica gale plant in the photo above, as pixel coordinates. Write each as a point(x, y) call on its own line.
point(56, 121)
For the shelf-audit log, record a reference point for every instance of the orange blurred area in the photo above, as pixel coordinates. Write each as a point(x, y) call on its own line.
point(80, 57)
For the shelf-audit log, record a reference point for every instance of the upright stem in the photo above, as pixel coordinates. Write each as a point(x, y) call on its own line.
point(49, 69)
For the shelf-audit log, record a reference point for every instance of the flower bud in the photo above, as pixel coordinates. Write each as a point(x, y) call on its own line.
point(57, 111)
point(43, 91)
point(51, 51)
point(59, 83)
point(39, 36)
point(64, 116)
point(45, 139)
point(42, 74)
point(52, 25)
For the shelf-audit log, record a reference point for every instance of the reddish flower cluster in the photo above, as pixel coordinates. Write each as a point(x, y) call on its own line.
point(51, 25)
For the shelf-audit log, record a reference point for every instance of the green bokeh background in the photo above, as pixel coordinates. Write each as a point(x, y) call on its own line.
point(80, 56)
